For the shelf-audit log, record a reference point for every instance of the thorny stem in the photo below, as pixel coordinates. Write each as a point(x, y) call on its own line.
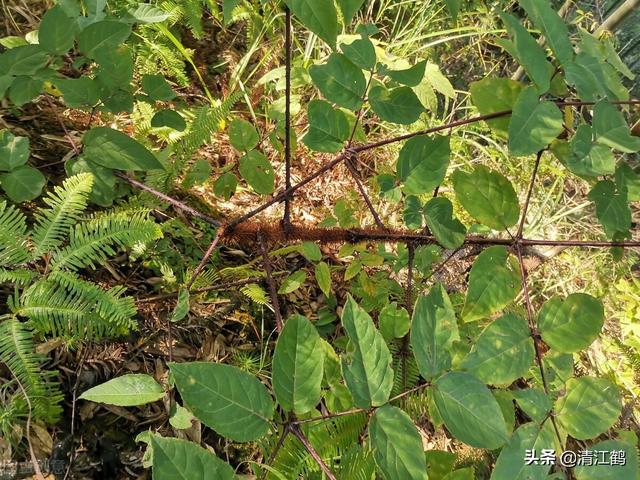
point(271, 282)
point(287, 120)
point(295, 429)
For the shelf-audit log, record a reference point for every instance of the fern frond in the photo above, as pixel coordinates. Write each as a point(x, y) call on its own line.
point(405, 368)
point(17, 352)
point(95, 240)
point(256, 294)
point(357, 464)
point(63, 305)
point(208, 120)
point(65, 203)
point(13, 236)
point(19, 276)
point(156, 55)
point(14, 412)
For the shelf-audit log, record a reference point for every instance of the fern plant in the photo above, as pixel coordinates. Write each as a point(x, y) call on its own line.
point(44, 265)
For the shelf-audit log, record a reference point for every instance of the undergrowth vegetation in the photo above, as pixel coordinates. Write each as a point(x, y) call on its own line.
point(316, 239)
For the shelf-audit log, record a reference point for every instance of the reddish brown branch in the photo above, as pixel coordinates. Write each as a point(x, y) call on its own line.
point(273, 291)
point(363, 193)
point(287, 119)
point(205, 258)
point(295, 429)
point(177, 204)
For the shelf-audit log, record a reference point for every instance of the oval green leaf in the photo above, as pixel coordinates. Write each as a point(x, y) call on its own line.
point(176, 459)
point(230, 401)
point(397, 445)
point(116, 150)
point(422, 163)
point(469, 411)
point(256, 169)
point(298, 366)
point(126, 391)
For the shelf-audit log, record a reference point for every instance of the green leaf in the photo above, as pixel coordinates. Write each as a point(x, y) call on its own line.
point(573, 324)
point(116, 150)
point(412, 214)
point(586, 159)
point(145, 13)
point(57, 31)
point(169, 118)
point(433, 330)
point(361, 52)
point(198, 174)
point(469, 410)
point(176, 459)
point(311, 251)
point(461, 474)
point(534, 402)
point(157, 87)
point(340, 81)
point(126, 391)
point(493, 282)
point(103, 192)
point(79, 92)
point(349, 8)
point(502, 353)
point(552, 26)
point(23, 183)
point(422, 163)
point(328, 127)
point(182, 306)
point(511, 464)
point(394, 321)
point(628, 181)
point(594, 79)
point(448, 230)
point(256, 169)
point(230, 401)
point(612, 208)
point(319, 16)
point(454, 7)
point(534, 124)
point(225, 185)
point(611, 129)
point(102, 35)
point(180, 418)
point(14, 151)
point(25, 60)
point(115, 68)
point(528, 53)
point(439, 463)
point(243, 135)
point(410, 77)
point(367, 366)
point(292, 282)
point(397, 445)
point(492, 95)
point(24, 89)
point(397, 105)
point(298, 366)
point(323, 277)
point(487, 196)
point(589, 407)
point(611, 470)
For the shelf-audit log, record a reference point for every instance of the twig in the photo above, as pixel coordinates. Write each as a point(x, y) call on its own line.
point(205, 258)
point(285, 431)
point(287, 119)
point(295, 429)
point(179, 205)
point(363, 193)
point(271, 282)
